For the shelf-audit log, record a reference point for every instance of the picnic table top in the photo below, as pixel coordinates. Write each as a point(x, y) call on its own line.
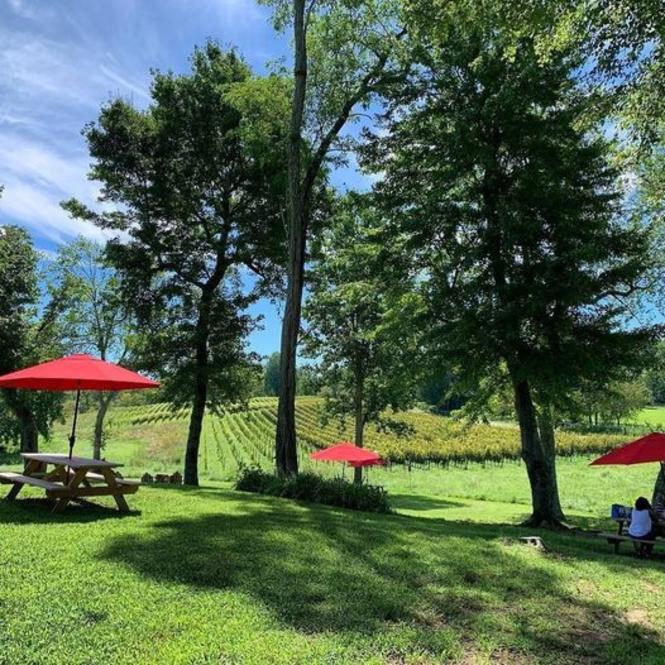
point(74, 462)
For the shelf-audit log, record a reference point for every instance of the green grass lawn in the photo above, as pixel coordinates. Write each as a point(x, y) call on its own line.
point(654, 416)
point(498, 490)
point(215, 576)
point(211, 575)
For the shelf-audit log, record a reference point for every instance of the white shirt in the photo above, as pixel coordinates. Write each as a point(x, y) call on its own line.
point(640, 523)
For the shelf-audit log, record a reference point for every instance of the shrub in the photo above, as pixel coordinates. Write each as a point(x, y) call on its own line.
point(314, 488)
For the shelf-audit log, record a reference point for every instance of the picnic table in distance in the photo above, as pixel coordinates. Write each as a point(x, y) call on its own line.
point(70, 479)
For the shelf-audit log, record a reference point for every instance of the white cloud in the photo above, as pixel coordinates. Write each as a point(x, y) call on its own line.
point(36, 179)
point(35, 161)
point(38, 209)
point(52, 84)
point(61, 61)
point(245, 11)
point(125, 83)
point(21, 8)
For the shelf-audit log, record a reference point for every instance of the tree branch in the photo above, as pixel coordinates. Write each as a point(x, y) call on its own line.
point(368, 83)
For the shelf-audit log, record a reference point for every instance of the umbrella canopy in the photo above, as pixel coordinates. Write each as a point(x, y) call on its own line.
point(347, 452)
point(649, 448)
point(77, 372)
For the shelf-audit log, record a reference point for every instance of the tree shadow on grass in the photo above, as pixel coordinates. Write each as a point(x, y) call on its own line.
point(385, 578)
point(422, 502)
point(31, 511)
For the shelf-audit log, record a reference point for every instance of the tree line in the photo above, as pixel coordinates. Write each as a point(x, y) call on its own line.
point(497, 244)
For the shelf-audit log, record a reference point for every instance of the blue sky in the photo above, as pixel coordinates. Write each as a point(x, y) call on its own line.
point(61, 60)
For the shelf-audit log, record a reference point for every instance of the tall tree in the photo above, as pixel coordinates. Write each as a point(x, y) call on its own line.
point(360, 329)
point(507, 209)
point(198, 187)
point(271, 375)
point(343, 53)
point(94, 318)
point(625, 41)
point(27, 335)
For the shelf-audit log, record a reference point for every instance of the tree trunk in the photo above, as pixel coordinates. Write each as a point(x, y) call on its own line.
point(538, 454)
point(29, 433)
point(360, 425)
point(103, 403)
point(658, 498)
point(200, 391)
point(286, 457)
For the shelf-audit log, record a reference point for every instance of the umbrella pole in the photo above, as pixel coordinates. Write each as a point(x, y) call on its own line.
point(72, 436)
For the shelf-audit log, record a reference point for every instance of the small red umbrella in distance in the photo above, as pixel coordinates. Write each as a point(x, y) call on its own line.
point(77, 372)
point(649, 448)
point(347, 452)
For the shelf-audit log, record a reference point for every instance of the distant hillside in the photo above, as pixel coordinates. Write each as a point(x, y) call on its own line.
point(152, 437)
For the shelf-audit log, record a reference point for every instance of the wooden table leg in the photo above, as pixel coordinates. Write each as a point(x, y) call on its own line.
point(120, 501)
point(31, 467)
point(74, 482)
point(13, 492)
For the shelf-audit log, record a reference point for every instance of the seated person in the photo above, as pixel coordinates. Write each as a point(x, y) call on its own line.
point(641, 524)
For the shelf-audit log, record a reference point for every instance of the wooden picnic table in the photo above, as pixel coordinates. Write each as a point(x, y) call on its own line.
point(69, 479)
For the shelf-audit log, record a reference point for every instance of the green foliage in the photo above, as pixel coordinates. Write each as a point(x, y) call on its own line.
point(611, 403)
point(543, 297)
point(308, 380)
point(655, 374)
point(18, 294)
point(200, 184)
point(344, 53)
point(361, 330)
point(93, 316)
point(315, 489)
point(197, 185)
point(27, 336)
point(353, 48)
point(625, 41)
point(502, 195)
point(271, 375)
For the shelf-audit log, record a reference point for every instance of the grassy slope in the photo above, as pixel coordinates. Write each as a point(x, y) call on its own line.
point(654, 416)
point(215, 576)
point(586, 492)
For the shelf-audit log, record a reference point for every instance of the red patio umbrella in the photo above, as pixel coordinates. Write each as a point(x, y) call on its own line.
point(649, 448)
point(77, 372)
point(347, 452)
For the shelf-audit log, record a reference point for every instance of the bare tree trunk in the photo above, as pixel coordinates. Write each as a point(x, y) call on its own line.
point(539, 457)
point(658, 498)
point(360, 425)
point(29, 433)
point(200, 391)
point(299, 202)
point(286, 457)
point(29, 437)
point(103, 403)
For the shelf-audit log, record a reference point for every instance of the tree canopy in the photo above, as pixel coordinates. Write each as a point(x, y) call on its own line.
point(360, 330)
point(198, 189)
point(28, 334)
point(506, 205)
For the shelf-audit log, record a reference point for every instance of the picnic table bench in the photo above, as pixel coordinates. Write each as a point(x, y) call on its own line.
point(617, 538)
point(70, 479)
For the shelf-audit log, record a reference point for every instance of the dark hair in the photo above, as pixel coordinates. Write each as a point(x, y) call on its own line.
point(642, 504)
